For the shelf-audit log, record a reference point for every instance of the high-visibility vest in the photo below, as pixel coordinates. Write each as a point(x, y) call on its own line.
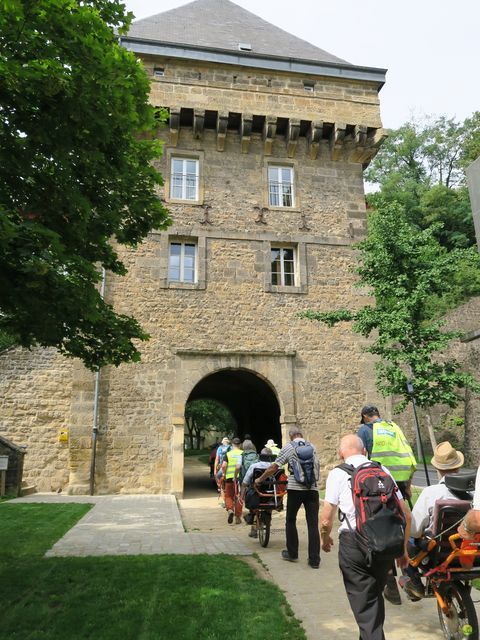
point(234, 457)
point(275, 450)
point(391, 449)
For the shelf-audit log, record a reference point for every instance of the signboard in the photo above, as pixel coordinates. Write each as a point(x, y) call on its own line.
point(3, 463)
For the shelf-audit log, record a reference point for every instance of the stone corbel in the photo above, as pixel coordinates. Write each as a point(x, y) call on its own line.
point(245, 132)
point(314, 136)
point(356, 144)
point(293, 133)
point(269, 132)
point(206, 214)
point(374, 139)
point(336, 140)
point(222, 123)
point(261, 215)
point(198, 123)
point(174, 125)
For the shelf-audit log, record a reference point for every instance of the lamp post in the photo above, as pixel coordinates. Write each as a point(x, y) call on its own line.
point(417, 427)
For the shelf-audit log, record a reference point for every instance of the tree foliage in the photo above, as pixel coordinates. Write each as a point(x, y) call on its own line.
point(422, 166)
point(406, 268)
point(76, 176)
point(204, 416)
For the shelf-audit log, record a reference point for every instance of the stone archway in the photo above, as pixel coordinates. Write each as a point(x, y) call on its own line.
point(267, 376)
point(249, 398)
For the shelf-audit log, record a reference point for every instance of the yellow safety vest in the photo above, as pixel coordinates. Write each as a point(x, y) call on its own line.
point(391, 449)
point(234, 457)
point(275, 450)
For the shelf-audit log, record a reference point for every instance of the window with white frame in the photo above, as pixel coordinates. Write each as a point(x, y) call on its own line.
point(184, 174)
point(280, 186)
point(283, 266)
point(182, 262)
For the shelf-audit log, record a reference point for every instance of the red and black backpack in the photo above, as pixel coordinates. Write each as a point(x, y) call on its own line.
point(380, 523)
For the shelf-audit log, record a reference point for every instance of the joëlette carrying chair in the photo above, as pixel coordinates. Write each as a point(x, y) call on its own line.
point(450, 564)
point(270, 498)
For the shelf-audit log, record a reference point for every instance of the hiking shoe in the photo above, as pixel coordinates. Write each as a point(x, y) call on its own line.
point(248, 518)
point(230, 516)
point(253, 533)
point(413, 587)
point(314, 565)
point(238, 520)
point(391, 592)
point(286, 556)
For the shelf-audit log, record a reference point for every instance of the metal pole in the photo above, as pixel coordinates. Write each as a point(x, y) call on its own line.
point(96, 398)
point(417, 427)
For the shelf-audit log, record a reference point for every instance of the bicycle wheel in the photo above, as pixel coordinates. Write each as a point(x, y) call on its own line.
point(460, 623)
point(264, 521)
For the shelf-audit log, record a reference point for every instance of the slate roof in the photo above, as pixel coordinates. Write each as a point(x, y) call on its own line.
point(222, 25)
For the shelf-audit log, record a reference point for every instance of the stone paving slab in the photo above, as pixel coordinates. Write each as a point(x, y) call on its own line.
point(133, 525)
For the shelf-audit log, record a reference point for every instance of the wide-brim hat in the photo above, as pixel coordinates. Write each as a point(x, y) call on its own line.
point(446, 457)
point(270, 443)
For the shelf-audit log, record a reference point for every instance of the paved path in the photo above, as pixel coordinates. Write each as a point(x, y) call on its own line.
point(132, 525)
point(126, 525)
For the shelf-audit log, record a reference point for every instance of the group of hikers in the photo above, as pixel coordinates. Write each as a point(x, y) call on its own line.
point(370, 489)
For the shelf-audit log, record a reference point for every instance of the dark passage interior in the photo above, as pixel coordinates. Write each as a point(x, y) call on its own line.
point(250, 399)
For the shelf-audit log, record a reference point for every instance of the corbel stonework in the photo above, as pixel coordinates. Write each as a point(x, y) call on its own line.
point(222, 123)
point(245, 132)
point(314, 136)
point(198, 123)
point(174, 125)
point(269, 132)
point(336, 140)
point(304, 226)
point(206, 214)
point(293, 133)
point(374, 140)
point(261, 215)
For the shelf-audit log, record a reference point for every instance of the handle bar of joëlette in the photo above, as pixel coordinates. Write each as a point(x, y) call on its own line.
point(457, 553)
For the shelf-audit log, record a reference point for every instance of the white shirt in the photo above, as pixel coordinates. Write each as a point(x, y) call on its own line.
point(422, 513)
point(339, 492)
point(476, 499)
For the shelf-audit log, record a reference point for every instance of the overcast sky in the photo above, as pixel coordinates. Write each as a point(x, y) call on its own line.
point(431, 48)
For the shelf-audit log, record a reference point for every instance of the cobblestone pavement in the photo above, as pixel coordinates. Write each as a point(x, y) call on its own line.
point(126, 525)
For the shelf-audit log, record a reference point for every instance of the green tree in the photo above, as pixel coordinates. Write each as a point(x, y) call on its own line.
point(405, 268)
point(76, 177)
point(204, 416)
point(421, 166)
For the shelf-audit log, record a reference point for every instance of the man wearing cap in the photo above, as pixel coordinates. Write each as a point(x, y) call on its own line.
point(447, 461)
point(386, 444)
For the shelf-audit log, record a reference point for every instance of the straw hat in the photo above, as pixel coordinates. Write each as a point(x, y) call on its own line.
point(445, 457)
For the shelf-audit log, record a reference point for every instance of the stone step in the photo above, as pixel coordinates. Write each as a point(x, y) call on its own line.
point(27, 490)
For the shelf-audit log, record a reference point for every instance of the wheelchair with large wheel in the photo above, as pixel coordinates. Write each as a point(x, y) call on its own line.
point(449, 564)
point(270, 496)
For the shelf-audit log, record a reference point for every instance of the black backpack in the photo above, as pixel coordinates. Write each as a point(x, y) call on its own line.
point(380, 523)
point(304, 465)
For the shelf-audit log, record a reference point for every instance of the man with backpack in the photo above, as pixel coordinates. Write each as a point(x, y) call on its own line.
point(302, 488)
point(374, 530)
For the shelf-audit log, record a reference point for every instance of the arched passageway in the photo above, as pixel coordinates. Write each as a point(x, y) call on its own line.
point(250, 399)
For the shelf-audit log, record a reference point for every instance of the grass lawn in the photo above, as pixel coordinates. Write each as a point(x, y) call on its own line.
point(127, 598)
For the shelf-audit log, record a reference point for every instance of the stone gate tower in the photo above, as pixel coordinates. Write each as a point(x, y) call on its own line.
point(264, 150)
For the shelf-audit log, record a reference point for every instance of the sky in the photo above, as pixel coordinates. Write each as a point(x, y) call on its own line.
point(431, 48)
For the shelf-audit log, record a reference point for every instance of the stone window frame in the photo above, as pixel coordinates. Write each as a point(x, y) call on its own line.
point(201, 241)
point(278, 162)
point(186, 154)
point(300, 253)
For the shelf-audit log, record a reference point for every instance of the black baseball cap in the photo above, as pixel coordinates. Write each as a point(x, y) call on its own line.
point(368, 410)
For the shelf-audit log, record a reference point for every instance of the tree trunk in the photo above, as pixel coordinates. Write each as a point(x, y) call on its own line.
point(190, 434)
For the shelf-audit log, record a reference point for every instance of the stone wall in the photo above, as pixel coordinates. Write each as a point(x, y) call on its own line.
point(35, 405)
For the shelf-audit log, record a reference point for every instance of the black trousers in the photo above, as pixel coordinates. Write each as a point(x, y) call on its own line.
point(364, 586)
point(310, 501)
